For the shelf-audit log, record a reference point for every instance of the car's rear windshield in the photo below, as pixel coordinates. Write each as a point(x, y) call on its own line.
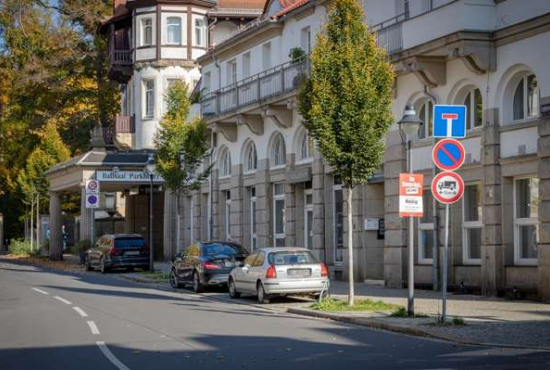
point(214, 249)
point(127, 243)
point(291, 258)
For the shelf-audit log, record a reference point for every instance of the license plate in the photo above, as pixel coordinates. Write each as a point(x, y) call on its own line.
point(132, 253)
point(299, 273)
point(229, 264)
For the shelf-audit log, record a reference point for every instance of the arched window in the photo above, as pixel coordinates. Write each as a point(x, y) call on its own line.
point(474, 109)
point(306, 146)
point(225, 163)
point(173, 30)
point(424, 109)
point(279, 151)
point(526, 98)
point(251, 157)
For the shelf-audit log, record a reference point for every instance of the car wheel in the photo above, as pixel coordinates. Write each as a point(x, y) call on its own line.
point(102, 266)
point(87, 265)
point(197, 285)
point(233, 289)
point(262, 297)
point(174, 279)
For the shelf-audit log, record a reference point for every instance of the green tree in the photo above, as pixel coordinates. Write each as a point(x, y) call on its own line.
point(346, 102)
point(182, 146)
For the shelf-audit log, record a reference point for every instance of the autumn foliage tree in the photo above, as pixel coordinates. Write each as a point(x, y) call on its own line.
point(346, 102)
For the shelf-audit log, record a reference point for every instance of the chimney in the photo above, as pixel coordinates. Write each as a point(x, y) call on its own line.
point(119, 7)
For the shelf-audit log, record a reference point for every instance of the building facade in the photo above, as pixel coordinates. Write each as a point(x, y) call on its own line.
point(271, 187)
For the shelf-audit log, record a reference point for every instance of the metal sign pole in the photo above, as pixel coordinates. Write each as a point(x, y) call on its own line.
point(445, 267)
point(410, 280)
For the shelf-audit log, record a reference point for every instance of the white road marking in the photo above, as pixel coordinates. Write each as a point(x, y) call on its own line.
point(80, 311)
point(93, 327)
point(107, 352)
point(62, 300)
point(40, 291)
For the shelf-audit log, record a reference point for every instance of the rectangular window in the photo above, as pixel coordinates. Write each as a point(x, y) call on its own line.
point(173, 30)
point(227, 215)
point(232, 72)
point(246, 65)
point(425, 230)
point(147, 32)
point(472, 224)
point(206, 82)
point(169, 83)
point(266, 56)
point(149, 92)
point(200, 32)
point(279, 219)
point(305, 39)
point(526, 227)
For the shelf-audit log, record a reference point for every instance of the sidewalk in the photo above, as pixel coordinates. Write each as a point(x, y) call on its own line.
point(488, 320)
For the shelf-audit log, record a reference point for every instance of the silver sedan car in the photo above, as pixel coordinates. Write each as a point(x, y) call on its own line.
point(272, 272)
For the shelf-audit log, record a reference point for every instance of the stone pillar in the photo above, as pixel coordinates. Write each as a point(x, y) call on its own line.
point(290, 215)
point(318, 185)
point(395, 246)
point(215, 199)
point(237, 206)
point(56, 240)
point(492, 261)
point(129, 214)
point(544, 206)
point(170, 225)
point(197, 227)
point(85, 218)
point(263, 205)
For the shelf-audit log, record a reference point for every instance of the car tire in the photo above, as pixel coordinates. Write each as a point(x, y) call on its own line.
point(262, 297)
point(233, 289)
point(87, 265)
point(197, 285)
point(174, 279)
point(102, 266)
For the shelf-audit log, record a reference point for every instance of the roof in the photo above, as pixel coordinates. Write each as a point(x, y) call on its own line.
point(288, 6)
point(102, 158)
point(241, 4)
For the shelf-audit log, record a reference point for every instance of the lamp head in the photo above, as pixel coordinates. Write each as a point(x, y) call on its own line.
point(410, 123)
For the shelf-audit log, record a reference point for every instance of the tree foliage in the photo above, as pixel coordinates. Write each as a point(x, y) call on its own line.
point(181, 144)
point(346, 104)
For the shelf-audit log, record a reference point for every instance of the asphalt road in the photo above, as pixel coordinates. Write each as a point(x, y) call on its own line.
point(51, 320)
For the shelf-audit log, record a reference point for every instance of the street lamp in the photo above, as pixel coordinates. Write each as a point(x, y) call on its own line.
point(150, 171)
point(408, 127)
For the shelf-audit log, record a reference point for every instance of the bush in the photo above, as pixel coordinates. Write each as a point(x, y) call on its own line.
point(20, 247)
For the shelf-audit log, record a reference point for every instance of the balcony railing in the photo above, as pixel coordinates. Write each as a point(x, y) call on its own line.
point(389, 34)
point(121, 58)
point(268, 84)
point(125, 124)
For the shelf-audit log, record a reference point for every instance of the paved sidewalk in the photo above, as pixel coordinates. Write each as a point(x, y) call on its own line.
point(488, 320)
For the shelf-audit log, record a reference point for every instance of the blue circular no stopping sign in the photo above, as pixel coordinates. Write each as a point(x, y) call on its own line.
point(448, 154)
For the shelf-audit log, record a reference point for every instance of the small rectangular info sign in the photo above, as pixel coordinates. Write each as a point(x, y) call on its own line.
point(410, 195)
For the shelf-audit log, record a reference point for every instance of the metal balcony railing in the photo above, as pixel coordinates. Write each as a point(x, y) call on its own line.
point(125, 124)
point(389, 34)
point(268, 84)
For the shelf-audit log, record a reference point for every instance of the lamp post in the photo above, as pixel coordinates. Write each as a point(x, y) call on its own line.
point(150, 171)
point(408, 127)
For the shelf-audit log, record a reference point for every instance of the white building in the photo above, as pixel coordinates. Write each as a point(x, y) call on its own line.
point(272, 188)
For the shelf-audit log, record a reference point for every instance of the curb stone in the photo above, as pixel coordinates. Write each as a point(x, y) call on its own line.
point(418, 332)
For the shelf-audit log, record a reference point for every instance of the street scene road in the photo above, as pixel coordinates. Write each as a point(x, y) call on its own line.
point(55, 320)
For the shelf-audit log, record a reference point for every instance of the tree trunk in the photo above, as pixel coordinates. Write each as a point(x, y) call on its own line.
point(349, 198)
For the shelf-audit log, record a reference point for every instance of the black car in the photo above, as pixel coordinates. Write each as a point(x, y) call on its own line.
point(118, 251)
point(206, 264)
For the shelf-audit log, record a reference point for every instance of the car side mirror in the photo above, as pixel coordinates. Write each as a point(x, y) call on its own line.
point(246, 267)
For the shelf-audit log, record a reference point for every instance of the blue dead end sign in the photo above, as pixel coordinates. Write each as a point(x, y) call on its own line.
point(448, 154)
point(449, 121)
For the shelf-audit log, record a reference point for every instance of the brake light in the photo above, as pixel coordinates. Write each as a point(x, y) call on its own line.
point(145, 250)
point(114, 252)
point(271, 273)
point(211, 266)
point(324, 270)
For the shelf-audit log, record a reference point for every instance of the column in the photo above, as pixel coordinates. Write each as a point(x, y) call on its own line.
point(85, 218)
point(215, 210)
point(56, 242)
point(237, 209)
point(263, 205)
point(395, 246)
point(290, 205)
point(492, 268)
point(170, 225)
point(129, 214)
point(318, 185)
point(544, 206)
